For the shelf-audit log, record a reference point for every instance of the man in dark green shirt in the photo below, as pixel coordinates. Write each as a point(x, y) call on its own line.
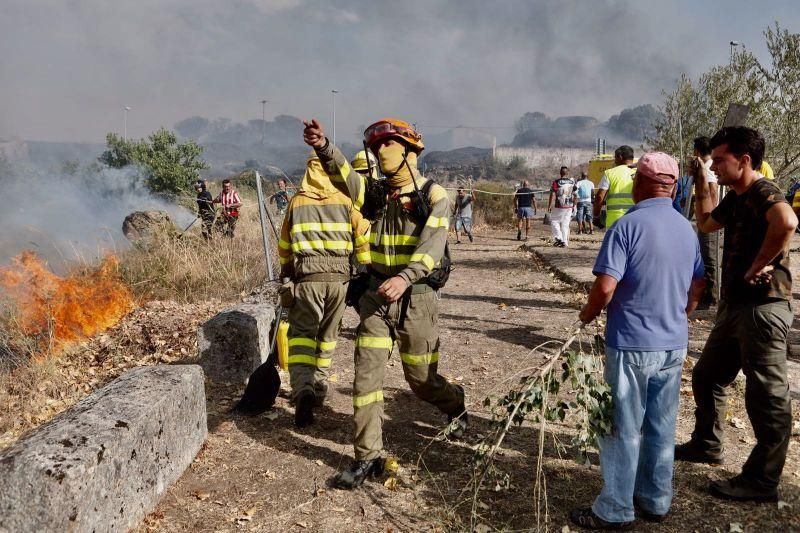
point(753, 317)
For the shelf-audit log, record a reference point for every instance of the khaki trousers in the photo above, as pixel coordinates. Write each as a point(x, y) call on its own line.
point(314, 322)
point(417, 336)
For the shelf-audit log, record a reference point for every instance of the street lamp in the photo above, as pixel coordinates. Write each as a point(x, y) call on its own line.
point(334, 92)
point(125, 122)
point(263, 119)
point(734, 44)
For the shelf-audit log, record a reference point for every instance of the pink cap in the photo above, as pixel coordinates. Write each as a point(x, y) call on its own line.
point(651, 164)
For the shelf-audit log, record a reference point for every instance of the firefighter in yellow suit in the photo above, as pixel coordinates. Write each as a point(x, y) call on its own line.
point(320, 231)
point(400, 306)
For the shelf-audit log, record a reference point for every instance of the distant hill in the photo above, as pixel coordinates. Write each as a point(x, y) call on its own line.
point(459, 157)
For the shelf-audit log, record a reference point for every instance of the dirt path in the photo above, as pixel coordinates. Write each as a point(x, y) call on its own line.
point(260, 474)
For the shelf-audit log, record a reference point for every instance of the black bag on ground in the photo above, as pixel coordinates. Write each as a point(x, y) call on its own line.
point(263, 385)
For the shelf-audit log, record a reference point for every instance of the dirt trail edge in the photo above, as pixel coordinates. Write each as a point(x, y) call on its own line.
point(261, 474)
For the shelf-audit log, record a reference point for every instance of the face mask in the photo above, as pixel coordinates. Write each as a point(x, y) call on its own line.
point(392, 165)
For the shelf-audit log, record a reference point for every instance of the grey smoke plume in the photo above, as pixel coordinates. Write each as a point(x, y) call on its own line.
point(73, 217)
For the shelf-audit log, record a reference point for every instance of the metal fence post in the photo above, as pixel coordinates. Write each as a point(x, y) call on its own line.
point(263, 218)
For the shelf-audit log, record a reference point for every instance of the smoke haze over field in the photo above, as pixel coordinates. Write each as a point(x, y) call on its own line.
point(64, 218)
point(68, 68)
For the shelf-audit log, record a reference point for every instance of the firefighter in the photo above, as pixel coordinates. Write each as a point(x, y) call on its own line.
point(320, 231)
point(364, 164)
point(407, 242)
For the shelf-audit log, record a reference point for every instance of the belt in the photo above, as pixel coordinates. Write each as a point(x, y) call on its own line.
point(416, 288)
point(325, 276)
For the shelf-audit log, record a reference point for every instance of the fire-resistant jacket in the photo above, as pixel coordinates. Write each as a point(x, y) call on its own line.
point(320, 230)
point(399, 245)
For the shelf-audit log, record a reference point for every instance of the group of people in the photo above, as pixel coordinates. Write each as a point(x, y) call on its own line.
point(229, 200)
point(378, 245)
point(650, 276)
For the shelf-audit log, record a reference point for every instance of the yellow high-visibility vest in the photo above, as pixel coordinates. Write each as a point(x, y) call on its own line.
point(619, 197)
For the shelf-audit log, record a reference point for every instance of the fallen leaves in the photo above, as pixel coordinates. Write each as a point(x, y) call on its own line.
point(201, 495)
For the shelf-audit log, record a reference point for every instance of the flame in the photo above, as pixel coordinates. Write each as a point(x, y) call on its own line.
point(61, 310)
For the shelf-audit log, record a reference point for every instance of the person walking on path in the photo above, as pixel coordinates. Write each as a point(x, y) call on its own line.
point(585, 191)
point(615, 187)
point(407, 242)
point(649, 273)
point(231, 203)
point(709, 241)
point(463, 214)
point(281, 197)
point(525, 208)
point(319, 233)
point(205, 208)
point(753, 316)
point(563, 196)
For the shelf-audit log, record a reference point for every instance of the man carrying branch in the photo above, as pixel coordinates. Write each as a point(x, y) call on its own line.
point(650, 275)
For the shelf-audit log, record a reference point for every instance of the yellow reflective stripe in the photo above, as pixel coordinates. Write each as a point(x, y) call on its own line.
point(322, 245)
point(344, 170)
point(374, 342)
point(327, 345)
point(319, 362)
point(363, 257)
point(366, 399)
point(438, 222)
point(425, 259)
point(419, 359)
point(321, 226)
point(389, 260)
point(302, 341)
point(394, 240)
point(362, 240)
point(283, 244)
point(302, 360)
point(285, 260)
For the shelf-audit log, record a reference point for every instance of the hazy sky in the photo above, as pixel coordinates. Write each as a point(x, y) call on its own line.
point(68, 67)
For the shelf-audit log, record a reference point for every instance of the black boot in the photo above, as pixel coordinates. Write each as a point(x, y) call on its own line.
point(304, 410)
point(359, 470)
point(457, 423)
point(691, 452)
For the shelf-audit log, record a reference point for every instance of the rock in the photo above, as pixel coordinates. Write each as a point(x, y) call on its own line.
point(236, 341)
point(105, 463)
point(144, 225)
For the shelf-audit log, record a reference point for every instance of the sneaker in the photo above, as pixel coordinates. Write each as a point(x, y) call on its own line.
point(519, 234)
point(304, 410)
point(691, 453)
point(358, 472)
point(586, 518)
point(647, 516)
point(740, 489)
point(470, 237)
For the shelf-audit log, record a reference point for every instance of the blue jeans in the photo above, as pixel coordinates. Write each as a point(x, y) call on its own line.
point(636, 459)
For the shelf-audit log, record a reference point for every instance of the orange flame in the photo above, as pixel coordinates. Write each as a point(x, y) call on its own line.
point(61, 310)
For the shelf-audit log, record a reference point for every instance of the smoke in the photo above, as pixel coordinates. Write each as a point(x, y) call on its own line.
point(67, 218)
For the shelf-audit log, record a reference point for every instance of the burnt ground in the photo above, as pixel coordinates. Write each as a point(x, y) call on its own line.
point(261, 474)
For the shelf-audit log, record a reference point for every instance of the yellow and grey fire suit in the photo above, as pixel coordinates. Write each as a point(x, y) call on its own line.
point(399, 246)
point(320, 231)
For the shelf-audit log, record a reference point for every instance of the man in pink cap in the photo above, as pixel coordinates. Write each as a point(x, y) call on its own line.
point(649, 275)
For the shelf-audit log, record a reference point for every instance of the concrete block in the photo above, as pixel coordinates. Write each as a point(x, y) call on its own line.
point(236, 341)
point(105, 463)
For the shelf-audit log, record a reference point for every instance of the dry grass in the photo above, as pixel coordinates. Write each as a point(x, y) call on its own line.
point(189, 269)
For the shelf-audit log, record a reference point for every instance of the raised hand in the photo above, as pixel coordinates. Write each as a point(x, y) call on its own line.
point(313, 134)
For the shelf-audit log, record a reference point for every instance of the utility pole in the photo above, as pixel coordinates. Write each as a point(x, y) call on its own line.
point(334, 92)
point(125, 122)
point(733, 44)
point(263, 119)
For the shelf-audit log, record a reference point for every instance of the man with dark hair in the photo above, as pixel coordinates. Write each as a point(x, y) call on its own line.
point(753, 317)
point(231, 202)
point(708, 241)
point(649, 256)
point(205, 207)
point(281, 197)
point(585, 191)
point(562, 201)
point(463, 214)
point(525, 208)
point(615, 187)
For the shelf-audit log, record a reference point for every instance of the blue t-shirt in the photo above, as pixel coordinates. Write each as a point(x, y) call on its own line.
point(654, 255)
point(585, 188)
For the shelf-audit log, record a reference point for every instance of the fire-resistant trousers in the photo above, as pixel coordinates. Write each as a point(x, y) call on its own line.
point(417, 336)
point(314, 322)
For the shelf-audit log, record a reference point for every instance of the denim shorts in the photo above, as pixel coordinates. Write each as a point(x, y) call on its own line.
point(464, 223)
point(525, 212)
point(584, 212)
